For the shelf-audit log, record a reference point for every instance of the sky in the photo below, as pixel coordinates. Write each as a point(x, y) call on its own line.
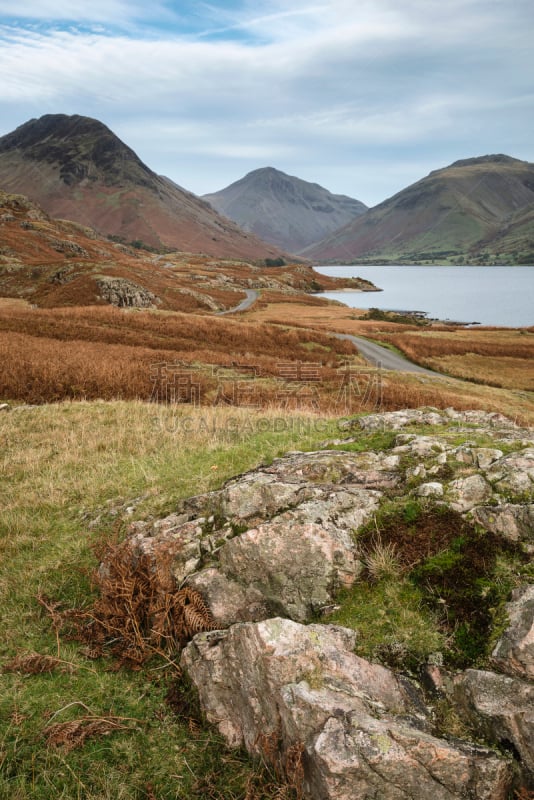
point(361, 96)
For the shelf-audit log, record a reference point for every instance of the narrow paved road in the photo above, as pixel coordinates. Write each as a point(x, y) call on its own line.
point(252, 296)
point(376, 354)
point(383, 357)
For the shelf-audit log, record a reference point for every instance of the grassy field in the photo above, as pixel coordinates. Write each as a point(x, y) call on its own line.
point(48, 355)
point(73, 475)
point(69, 472)
point(494, 357)
point(94, 455)
point(494, 367)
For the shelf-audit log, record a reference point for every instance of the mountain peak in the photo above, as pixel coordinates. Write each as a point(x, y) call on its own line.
point(76, 168)
point(282, 209)
point(496, 158)
point(82, 147)
point(452, 214)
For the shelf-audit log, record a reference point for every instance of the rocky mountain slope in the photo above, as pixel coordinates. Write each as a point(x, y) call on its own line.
point(284, 210)
point(51, 263)
point(421, 547)
point(77, 169)
point(467, 211)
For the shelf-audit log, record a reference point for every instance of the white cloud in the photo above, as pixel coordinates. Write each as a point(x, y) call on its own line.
point(318, 85)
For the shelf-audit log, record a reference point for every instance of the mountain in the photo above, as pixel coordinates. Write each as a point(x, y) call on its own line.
point(460, 212)
point(287, 211)
point(76, 168)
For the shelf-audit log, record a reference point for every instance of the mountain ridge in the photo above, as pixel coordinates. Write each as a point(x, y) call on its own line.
point(457, 212)
point(285, 210)
point(75, 167)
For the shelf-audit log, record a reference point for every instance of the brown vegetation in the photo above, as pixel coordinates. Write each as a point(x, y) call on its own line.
point(73, 734)
point(107, 353)
point(495, 357)
point(139, 612)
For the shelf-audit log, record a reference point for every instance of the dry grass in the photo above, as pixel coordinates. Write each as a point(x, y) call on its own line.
point(106, 353)
point(494, 357)
point(491, 364)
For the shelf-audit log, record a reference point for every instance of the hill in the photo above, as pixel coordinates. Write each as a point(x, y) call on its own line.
point(465, 212)
point(76, 168)
point(284, 210)
point(52, 263)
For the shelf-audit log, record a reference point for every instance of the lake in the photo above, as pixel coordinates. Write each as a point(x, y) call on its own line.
point(488, 295)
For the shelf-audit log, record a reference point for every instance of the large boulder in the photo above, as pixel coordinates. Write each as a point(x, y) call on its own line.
point(514, 473)
point(502, 709)
point(466, 493)
point(125, 293)
point(297, 568)
point(511, 520)
point(362, 729)
point(514, 652)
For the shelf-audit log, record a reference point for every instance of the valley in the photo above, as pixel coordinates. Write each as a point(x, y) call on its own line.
point(198, 447)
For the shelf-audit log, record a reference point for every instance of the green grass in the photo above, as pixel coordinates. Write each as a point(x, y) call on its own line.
point(73, 473)
point(67, 474)
point(393, 623)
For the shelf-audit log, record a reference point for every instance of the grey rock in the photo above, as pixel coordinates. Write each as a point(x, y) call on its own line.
point(513, 473)
point(229, 601)
point(485, 456)
point(514, 652)
point(502, 708)
point(513, 521)
point(423, 446)
point(297, 568)
point(125, 294)
point(361, 729)
point(431, 489)
point(465, 493)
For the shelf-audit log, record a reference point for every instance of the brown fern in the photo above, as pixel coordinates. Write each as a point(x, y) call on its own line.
point(524, 794)
point(36, 664)
point(139, 611)
point(69, 735)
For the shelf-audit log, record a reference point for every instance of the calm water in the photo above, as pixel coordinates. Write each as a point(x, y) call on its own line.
point(488, 295)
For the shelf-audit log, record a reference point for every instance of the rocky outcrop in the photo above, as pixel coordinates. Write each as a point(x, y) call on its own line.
point(270, 551)
point(514, 652)
point(361, 729)
point(501, 708)
point(277, 540)
point(125, 294)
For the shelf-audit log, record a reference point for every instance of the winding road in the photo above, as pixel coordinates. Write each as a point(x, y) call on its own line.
point(374, 353)
point(252, 296)
point(382, 356)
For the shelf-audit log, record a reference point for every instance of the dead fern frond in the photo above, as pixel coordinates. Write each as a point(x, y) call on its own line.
point(36, 664)
point(140, 611)
point(294, 769)
point(17, 718)
point(524, 794)
point(73, 734)
point(287, 765)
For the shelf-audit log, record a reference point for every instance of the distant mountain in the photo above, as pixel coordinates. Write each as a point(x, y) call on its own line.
point(465, 212)
point(287, 211)
point(76, 168)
